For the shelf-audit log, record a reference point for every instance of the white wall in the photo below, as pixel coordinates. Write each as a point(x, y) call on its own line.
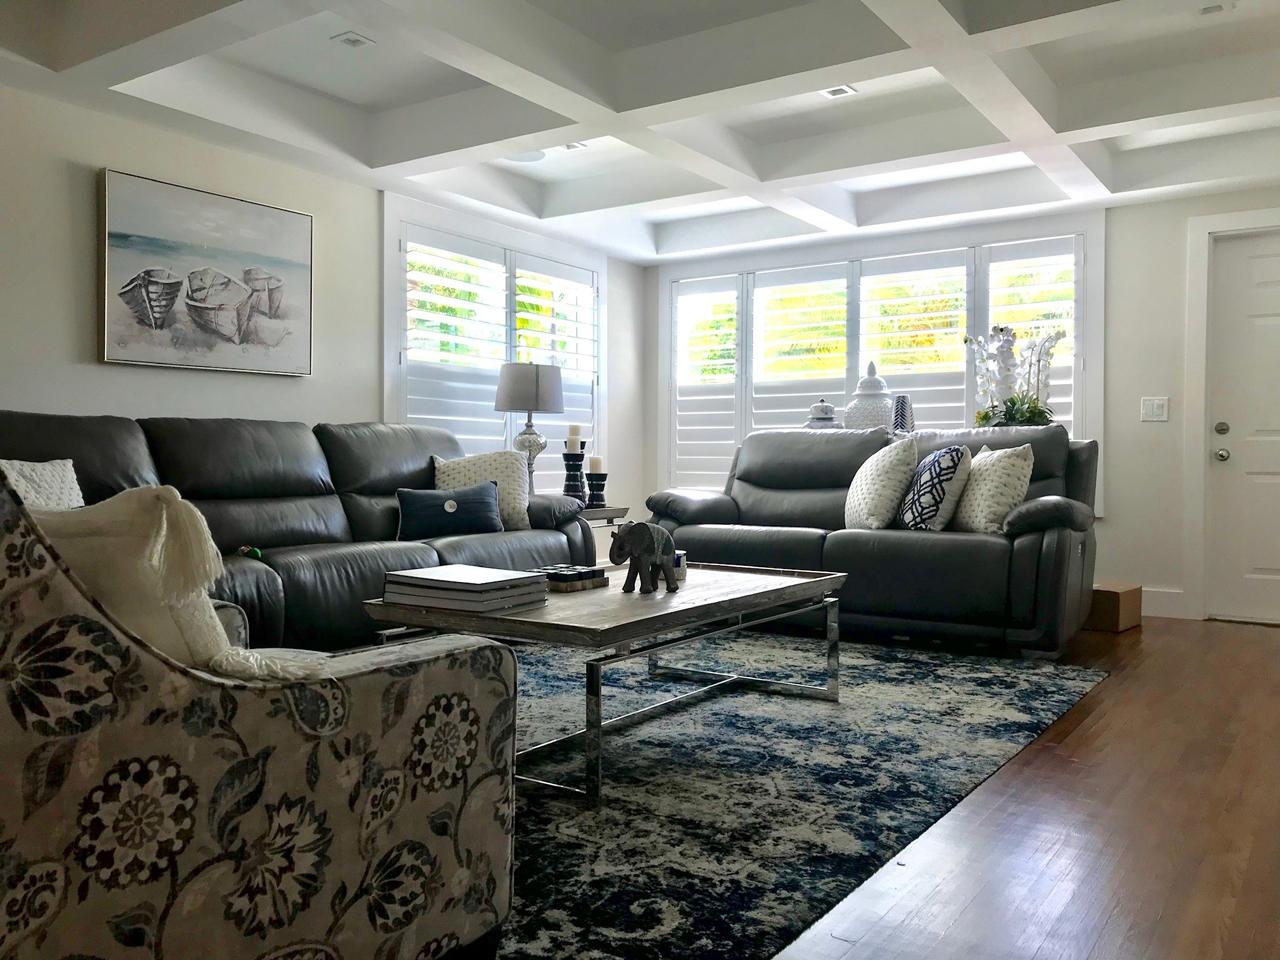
point(1141, 537)
point(50, 286)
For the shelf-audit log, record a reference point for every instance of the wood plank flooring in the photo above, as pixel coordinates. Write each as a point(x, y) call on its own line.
point(1143, 825)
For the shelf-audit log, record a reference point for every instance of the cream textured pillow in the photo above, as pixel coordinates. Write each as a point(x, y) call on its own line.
point(509, 468)
point(998, 482)
point(146, 555)
point(51, 485)
point(879, 485)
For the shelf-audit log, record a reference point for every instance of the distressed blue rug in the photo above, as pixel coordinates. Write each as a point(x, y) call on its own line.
point(730, 826)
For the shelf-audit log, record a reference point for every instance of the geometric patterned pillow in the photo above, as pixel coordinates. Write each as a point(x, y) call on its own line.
point(998, 482)
point(878, 486)
point(509, 469)
point(935, 490)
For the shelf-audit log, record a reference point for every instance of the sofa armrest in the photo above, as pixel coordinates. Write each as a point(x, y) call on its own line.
point(235, 623)
point(694, 506)
point(549, 510)
point(1048, 513)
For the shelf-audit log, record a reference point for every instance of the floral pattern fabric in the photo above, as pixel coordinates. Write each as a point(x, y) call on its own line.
point(148, 807)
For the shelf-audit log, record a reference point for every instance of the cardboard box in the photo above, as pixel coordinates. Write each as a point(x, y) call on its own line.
point(1116, 607)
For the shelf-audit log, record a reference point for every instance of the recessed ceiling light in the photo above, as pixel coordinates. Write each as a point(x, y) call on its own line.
point(529, 156)
point(352, 39)
point(575, 146)
point(835, 93)
point(1213, 8)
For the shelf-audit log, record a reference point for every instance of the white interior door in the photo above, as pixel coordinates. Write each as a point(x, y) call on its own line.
point(1242, 563)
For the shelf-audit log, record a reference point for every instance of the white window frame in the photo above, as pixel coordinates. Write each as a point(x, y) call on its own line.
point(1088, 227)
point(399, 215)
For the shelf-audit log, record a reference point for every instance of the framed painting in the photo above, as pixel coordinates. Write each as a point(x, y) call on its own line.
point(196, 279)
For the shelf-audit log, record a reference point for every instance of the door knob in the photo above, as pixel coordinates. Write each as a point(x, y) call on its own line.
point(1223, 454)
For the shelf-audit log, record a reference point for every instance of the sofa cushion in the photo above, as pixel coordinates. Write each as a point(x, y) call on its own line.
point(509, 550)
point(369, 462)
point(798, 548)
point(920, 574)
point(259, 483)
point(800, 477)
point(324, 584)
point(109, 453)
point(1050, 447)
point(879, 486)
point(256, 589)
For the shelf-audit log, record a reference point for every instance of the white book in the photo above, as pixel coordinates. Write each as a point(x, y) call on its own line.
point(462, 576)
point(423, 593)
point(468, 605)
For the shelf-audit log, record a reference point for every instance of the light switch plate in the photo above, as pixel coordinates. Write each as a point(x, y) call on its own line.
point(1155, 409)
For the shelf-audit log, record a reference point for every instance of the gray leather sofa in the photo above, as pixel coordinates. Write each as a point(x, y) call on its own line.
point(319, 503)
point(783, 506)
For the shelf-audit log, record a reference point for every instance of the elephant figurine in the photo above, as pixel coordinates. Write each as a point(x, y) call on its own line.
point(650, 549)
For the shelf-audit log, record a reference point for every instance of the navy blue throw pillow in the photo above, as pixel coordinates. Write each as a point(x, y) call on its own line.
point(443, 513)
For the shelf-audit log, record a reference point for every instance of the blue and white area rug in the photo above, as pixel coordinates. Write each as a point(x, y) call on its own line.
point(730, 826)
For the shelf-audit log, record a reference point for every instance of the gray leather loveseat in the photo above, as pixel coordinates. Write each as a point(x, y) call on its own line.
point(783, 506)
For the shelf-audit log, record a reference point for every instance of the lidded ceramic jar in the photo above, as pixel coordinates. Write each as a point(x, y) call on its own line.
point(822, 416)
point(872, 403)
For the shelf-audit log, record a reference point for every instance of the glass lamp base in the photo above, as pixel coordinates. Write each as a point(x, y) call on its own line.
point(531, 443)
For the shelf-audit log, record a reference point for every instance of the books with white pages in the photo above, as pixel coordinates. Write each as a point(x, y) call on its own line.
point(475, 603)
point(464, 577)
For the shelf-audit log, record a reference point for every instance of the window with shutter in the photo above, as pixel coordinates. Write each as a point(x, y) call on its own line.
point(706, 409)
point(799, 339)
point(1031, 287)
point(912, 324)
point(472, 306)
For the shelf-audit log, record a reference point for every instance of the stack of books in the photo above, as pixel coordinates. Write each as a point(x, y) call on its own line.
point(465, 588)
point(571, 578)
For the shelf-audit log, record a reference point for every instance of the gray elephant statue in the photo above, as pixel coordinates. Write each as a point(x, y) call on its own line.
point(651, 550)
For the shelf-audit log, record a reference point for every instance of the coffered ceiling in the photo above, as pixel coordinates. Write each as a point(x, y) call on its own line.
point(659, 129)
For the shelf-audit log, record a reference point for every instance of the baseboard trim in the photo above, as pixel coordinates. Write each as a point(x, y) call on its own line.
point(1167, 602)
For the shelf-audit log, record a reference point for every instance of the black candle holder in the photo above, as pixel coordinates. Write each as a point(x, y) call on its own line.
point(595, 489)
point(573, 485)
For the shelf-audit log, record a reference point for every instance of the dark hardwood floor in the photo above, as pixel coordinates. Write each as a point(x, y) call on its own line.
point(1145, 823)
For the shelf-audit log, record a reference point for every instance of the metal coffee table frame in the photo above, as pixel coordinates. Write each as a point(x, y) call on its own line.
point(715, 683)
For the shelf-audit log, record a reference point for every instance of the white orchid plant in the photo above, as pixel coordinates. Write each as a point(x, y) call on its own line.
point(1012, 389)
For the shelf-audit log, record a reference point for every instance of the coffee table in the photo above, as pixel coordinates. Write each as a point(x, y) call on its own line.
point(713, 599)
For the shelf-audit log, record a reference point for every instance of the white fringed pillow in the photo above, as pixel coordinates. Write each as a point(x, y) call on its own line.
point(509, 469)
point(48, 485)
point(998, 482)
point(879, 485)
point(147, 556)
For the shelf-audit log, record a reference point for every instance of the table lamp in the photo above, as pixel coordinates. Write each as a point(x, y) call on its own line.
point(533, 388)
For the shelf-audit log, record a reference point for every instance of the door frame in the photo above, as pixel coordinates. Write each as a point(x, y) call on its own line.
point(1201, 233)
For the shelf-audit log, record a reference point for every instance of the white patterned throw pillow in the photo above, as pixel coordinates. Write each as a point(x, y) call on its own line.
point(508, 468)
point(879, 485)
point(998, 482)
point(51, 485)
point(935, 489)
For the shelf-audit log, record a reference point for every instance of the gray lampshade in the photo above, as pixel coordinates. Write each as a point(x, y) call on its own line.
point(530, 386)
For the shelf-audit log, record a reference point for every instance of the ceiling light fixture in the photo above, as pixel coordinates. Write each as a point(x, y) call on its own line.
point(352, 39)
point(575, 146)
point(1216, 8)
point(835, 93)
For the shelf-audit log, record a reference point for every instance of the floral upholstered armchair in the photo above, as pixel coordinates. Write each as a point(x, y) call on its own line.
point(152, 810)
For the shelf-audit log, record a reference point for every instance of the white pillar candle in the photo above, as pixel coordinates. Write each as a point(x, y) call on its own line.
point(595, 464)
point(573, 445)
point(575, 430)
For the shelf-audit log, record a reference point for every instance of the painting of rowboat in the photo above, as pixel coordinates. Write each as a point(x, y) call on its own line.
point(197, 279)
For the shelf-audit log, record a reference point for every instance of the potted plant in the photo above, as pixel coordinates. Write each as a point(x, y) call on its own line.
point(1012, 391)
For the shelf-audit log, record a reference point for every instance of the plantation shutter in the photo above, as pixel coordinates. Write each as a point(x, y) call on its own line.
point(556, 323)
point(799, 339)
point(457, 338)
point(912, 319)
point(706, 410)
point(1032, 288)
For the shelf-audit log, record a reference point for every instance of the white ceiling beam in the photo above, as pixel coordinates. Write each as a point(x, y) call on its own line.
point(1006, 190)
point(490, 186)
point(465, 128)
point(722, 230)
point(637, 188)
point(246, 100)
point(834, 199)
point(773, 49)
point(1209, 89)
point(1241, 157)
point(927, 25)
